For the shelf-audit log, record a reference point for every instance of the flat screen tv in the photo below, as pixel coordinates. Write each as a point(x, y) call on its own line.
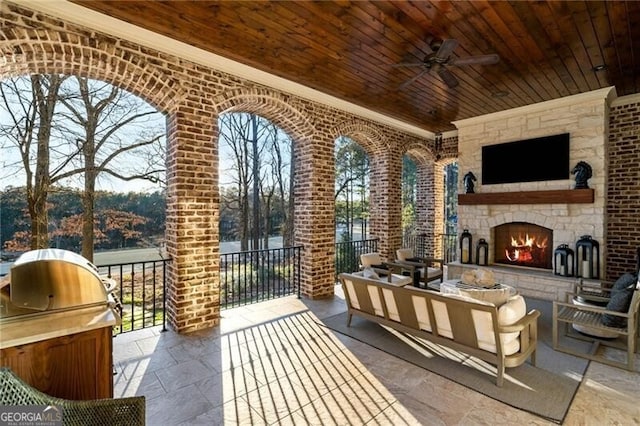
point(529, 160)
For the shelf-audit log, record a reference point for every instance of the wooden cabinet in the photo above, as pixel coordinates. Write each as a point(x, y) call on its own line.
point(77, 366)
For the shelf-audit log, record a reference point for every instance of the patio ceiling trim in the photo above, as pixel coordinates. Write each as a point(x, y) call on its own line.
point(79, 15)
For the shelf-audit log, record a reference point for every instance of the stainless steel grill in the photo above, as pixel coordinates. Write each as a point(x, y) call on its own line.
point(53, 279)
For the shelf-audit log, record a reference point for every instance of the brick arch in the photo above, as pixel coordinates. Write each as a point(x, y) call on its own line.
point(99, 58)
point(313, 183)
point(278, 108)
point(365, 134)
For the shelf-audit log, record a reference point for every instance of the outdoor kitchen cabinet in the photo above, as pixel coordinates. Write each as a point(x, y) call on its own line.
point(56, 325)
point(77, 366)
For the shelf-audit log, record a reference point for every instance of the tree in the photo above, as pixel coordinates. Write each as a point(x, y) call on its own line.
point(352, 181)
point(96, 128)
point(408, 194)
point(29, 105)
point(65, 219)
point(256, 151)
point(107, 119)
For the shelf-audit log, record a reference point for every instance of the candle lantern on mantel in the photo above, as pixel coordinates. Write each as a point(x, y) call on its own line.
point(587, 257)
point(563, 261)
point(482, 252)
point(465, 246)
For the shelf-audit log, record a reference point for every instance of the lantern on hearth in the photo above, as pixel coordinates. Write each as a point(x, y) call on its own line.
point(587, 257)
point(465, 246)
point(563, 261)
point(482, 252)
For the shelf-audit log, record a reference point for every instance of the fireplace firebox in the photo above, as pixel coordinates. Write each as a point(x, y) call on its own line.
point(523, 244)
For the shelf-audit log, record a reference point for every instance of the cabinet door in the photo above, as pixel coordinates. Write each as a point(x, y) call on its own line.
point(77, 366)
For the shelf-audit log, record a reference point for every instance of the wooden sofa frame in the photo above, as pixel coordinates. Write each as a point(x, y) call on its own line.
point(459, 313)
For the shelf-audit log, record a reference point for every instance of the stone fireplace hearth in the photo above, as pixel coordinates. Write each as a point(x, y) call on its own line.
point(566, 213)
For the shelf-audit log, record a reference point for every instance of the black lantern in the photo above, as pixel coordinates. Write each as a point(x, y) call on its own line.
point(465, 246)
point(482, 252)
point(587, 257)
point(563, 261)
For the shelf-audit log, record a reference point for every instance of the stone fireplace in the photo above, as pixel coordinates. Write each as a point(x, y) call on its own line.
point(524, 222)
point(523, 244)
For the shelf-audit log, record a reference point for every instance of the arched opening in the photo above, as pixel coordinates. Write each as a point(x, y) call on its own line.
point(74, 146)
point(256, 202)
point(351, 190)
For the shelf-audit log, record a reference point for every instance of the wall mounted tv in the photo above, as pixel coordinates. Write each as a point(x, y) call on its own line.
point(529, 160)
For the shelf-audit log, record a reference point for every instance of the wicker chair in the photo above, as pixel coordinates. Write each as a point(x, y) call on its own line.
point(113, 412)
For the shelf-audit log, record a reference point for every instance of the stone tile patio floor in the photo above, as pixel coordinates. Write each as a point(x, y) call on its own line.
point(272, 363)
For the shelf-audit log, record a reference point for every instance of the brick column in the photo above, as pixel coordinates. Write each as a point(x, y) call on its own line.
point(192, 235)
point(429, 203)
point(314, 214)
point(385, 200)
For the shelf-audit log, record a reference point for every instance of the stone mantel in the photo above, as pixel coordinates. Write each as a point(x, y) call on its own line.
point(557, 196)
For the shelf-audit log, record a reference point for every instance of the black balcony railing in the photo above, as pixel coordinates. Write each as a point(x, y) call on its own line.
point(245, 277)
point(254, 276)
point(141, 292)
point(448, 243)
point(348, 254)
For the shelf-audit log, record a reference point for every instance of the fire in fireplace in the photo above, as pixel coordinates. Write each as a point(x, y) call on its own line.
point(523, 244)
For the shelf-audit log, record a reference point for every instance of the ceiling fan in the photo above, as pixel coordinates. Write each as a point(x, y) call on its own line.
point(440, 58)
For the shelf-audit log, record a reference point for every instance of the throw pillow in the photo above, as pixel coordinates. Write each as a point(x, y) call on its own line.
point(621, 294)
point(625, 281)
point(370, 273)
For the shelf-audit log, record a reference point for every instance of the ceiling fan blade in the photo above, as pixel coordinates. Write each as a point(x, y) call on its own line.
point(475, 60)
point(410, 81)
point(446, 76)
point(446, 48)
point(408, 64)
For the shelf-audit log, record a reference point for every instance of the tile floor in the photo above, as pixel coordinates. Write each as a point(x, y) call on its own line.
point(271, 363)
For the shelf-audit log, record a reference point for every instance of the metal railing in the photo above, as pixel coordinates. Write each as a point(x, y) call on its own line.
point(348, 254)
point(245, 277)
point(254, 276)
point(140, 291)
point(449, 247)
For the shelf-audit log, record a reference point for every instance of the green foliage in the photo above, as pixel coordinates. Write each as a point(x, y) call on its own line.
point(351, 184)
point(408, 216)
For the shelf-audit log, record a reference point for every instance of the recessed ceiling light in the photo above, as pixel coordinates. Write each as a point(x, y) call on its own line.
point(600, 67)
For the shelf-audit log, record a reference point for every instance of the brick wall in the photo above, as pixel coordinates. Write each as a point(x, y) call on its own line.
point(192, 96)
point(623, 186)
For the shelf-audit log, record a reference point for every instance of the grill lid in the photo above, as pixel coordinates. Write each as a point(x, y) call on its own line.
point(49, 279)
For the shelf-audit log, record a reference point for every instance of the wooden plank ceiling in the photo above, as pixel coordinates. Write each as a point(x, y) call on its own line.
point(348, 49)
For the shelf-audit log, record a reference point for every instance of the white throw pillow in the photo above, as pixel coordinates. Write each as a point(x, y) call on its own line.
point(370, 273)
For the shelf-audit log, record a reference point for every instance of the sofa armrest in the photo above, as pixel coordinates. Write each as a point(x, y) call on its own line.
point(524, 322)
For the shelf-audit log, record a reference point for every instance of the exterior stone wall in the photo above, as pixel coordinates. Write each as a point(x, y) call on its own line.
point(623, 187)
point(192, 96)
point(585, 117)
